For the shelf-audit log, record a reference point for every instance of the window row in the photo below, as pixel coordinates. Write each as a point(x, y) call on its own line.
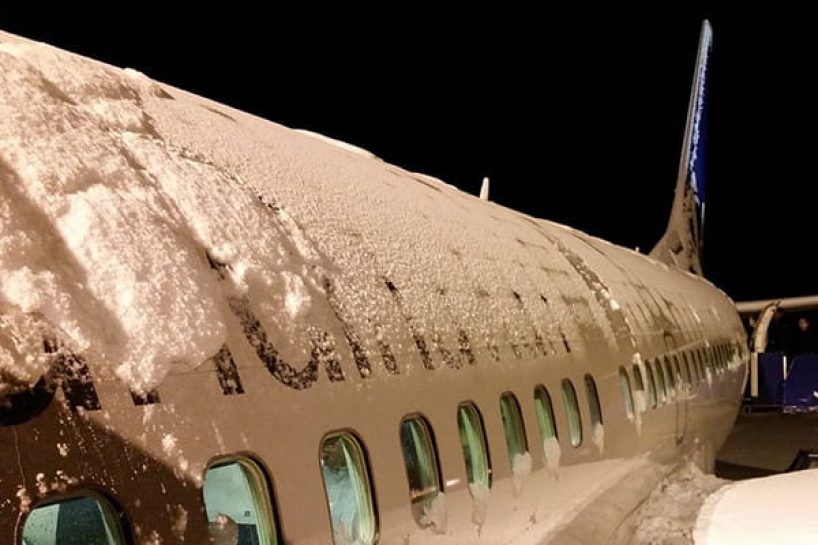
point(672, 374)
point(237, 492)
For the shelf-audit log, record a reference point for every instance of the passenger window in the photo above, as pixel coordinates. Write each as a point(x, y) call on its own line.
point(670, 380)
point(545, 414)
point(569, 399)
point(593, 400)
point(513, 426)
point(651, 386)
point(680, 378)
point(638, 380)
point(85, 520)
point(692, 370)
point(627, 394)
point(422, 470)
point(660, 378)
point(475, 451)
point(349, 494)
point(237, 503)
point(708, 361)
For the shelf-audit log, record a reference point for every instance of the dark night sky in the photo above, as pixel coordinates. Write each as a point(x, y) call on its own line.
point(576, 115)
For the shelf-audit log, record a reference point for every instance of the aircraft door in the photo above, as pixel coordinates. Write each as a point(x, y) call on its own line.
point(680, 363)
point(682, 391)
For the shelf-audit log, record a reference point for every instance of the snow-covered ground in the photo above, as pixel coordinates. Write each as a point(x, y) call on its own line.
point(669, 515)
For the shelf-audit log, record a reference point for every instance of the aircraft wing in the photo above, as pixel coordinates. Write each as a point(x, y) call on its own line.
point(776, 509)
point(809, 302)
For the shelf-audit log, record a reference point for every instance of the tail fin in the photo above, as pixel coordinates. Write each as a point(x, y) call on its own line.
point(682, 242)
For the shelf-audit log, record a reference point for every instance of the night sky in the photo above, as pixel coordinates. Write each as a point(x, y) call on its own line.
point(576, 115)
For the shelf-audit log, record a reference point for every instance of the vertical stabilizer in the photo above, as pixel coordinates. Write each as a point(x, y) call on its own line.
point(682, 242)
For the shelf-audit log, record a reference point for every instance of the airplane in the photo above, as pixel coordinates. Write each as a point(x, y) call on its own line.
point(216, 329)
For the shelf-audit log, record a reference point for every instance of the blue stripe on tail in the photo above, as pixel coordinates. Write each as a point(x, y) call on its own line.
point(696, 153)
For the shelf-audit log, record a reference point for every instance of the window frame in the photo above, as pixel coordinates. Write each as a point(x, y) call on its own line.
point(552, 414)
point(258, 466)
point(594, 402)
point(435, 458)
point(670, 377)
point(659, 372)
point(711, 353)
point(692, 370)
point(627, 393)
point(112, 512)
point(653, 395)
point(509, 395)
point(469, 404)
point(575, 431)
point(366, 464)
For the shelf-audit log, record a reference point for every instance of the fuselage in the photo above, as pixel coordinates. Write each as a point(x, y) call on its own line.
point(398, 297)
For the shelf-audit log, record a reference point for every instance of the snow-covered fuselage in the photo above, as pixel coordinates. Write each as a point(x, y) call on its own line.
point(207, 285)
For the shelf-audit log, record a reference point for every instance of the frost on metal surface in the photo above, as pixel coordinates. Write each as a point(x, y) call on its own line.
point(224, 530)
point(434, 514)
point(520, 470)
point(639, 408)
point(22, 358)
point(598, 436)
point(135, 222)
point(98, 151)
point(669, 515)
point(480, 494)
point(553, 452)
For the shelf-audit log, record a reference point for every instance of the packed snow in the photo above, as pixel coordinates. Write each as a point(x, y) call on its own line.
point(553, 452)
point(435, 514)
point(598, 436)
point(669, 515)
point(520, 470)
point(480, 494)
point(132, 212)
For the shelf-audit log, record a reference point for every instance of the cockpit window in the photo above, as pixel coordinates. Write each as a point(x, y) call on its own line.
point(84, 520)
point(238, 504)
point(422, 470)
point(349, 494)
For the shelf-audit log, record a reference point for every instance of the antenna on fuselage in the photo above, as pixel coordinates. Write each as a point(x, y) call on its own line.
point(484, 189)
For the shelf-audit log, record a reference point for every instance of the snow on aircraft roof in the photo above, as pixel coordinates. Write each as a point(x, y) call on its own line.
point(117, 192)
point(776, 509)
